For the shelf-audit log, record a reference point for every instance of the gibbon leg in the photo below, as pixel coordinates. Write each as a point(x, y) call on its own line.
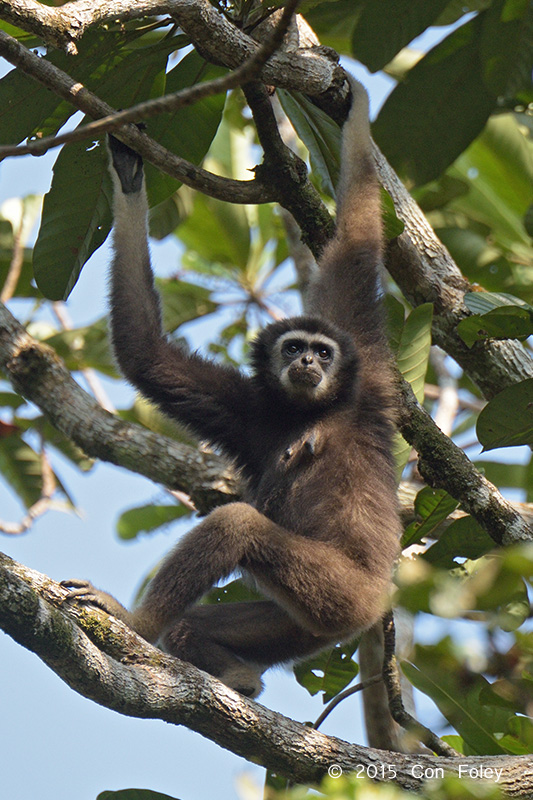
point(322, 589)
point(236, 642)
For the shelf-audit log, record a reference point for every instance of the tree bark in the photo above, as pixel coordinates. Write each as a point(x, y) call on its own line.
point(103, 660)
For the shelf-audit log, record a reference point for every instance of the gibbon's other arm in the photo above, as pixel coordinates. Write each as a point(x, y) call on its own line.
point(347, 291)
point(206, 396)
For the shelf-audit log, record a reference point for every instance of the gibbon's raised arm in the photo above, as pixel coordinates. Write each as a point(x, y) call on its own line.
point(196, 391)
point(347, 291)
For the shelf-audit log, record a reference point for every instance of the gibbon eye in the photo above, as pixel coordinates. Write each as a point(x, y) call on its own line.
point(291, 348)
point(324, 353)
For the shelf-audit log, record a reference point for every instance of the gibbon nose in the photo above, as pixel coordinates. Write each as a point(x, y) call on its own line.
point(307, 359)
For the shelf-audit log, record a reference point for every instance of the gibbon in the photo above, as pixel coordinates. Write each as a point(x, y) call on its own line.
point(310, 430)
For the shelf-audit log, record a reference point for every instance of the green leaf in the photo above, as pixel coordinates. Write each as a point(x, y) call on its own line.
point(501, 323)
point(501, 161)
point(414, 347)
point(217, 232)
point(412, 358)
point(147, 519)
point(21, 467)
point(183, 302)
point(10, 400)
point(76, 213)
point(188, 131)
point(333, 22)
point(445, 100)
point(392, 224)
point(484, 302)
point(320, 135)
point(395, 321)
point(134, 794)
point(26, 110)
point(432, 506)
point(439, 674)
point(504, 475)
point(58, 441)
point(464, 538)
point(507, 420)
point(378, 37)
point(328, 672)
point(76, 219)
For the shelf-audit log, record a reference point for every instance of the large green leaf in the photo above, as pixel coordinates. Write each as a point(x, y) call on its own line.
point(76, 213)
point(438, 673)
point(501, 162)
point(378, 37)
point(85, 347)
point(21, 467)
point(465, 538)
point(182, 302)
point(507, 420)
point(26, 110)
point(432, 506)
point(320, 135)
point(134, 794)
point(333, 22)
point(445, 100)
point(147, 519)
point(412, 356)
point(501, 323)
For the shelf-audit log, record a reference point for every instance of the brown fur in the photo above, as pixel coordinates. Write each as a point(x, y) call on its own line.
point(319, 530)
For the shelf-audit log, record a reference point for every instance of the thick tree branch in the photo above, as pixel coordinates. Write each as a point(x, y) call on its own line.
point(442, 463)
point(288, 173)
point(120, 671)
point(215, 35)
point(39, 374)
point(425, 272)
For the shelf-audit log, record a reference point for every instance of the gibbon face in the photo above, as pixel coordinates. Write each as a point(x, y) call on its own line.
point(305, 363)
point(306, 360)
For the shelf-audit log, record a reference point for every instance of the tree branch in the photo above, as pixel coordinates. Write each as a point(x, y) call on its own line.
point(103, 660)
point(391, 679)
point(81, 98)
point(425, 272)
point(420, 264)
point(171, 102)
point(38, 373)
point(216, 36)
point(288, 173)
point(442, 463)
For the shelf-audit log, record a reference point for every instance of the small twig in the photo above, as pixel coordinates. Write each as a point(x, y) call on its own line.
point(391, 679)
point(172, 102)
point(343, 695)
point(93, 382)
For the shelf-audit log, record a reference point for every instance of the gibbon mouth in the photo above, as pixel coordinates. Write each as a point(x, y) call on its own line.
point(304, 375)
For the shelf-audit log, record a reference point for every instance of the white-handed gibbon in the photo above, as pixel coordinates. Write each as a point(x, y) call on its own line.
point(310, 431)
